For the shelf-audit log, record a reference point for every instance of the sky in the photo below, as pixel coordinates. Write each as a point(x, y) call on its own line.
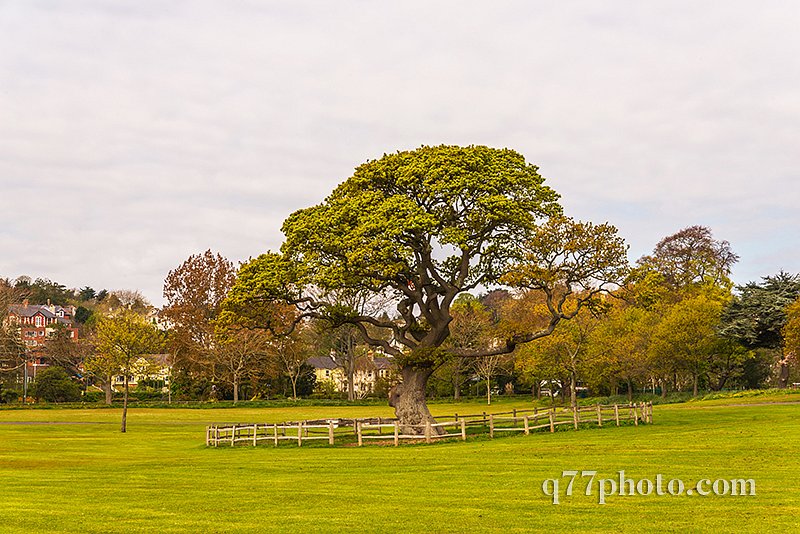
point(134, 133)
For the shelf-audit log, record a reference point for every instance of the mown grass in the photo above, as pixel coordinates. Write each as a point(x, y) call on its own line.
point(82, 475)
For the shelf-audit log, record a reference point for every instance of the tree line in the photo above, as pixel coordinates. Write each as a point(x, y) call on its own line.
point(459, 264)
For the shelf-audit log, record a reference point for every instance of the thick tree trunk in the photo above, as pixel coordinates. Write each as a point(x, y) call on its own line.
point(630, 390)
point(456, 386)
point(294, 388)
point(351, 383)
point(235, 389)
point(108, 390)
point(488, 391)
point(663, 389)
point(694, 384)
point(125, 407)
point(408, 400)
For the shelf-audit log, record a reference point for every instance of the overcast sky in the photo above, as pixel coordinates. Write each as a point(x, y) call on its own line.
point(134, 133)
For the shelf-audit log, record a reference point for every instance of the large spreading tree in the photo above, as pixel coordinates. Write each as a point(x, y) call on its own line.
point(421, 227)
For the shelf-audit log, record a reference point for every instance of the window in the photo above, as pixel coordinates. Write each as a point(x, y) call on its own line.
point(38, 320)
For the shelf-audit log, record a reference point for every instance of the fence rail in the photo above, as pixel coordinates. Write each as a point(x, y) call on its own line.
point(390, 431)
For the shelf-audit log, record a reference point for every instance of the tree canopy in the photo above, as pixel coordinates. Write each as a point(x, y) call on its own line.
point(418, 228)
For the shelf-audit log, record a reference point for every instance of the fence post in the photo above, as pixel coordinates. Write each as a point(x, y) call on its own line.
point(355, 426)
point(463, 430)
point(380, 430)
point(527, 427)
point(233, 435)
point(275, 428)
point(208, 435)
point(455, 417)
point(575, 416)
point(428, 431)
point(599, 415)
point(255, 434)
point(491, 425)
point(396, 433)
point(484, 418)
point(535, 416)
point(358, 433)
point(299, 433)
point(515, 416)
point(650, 412)
point(216, 436)
point(552, 423)
point(635, 415)
point(616, 413)
point(330, 432)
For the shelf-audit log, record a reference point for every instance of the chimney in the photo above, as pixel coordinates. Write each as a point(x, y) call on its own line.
point(25, 303)
point(48, 303)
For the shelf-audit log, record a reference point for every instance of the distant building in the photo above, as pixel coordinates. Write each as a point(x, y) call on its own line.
point(369, 369)
point(36, 322)
point(155, 369)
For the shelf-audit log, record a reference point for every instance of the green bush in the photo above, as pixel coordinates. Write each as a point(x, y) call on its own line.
point(54, 385)
point(9, 396)
point(94, 396)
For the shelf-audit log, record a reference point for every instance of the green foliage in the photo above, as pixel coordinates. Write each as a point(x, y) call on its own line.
point(444, 218)
point(9, 396)
point(86, 293)
point(54, 385)
point(686, 336)
point(82, 315)
point(756, 317)
point(43, 290)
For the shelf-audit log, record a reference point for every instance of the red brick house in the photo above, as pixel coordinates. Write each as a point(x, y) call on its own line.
point(36, 322)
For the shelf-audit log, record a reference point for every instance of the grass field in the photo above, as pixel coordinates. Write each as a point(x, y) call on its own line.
point(73, 471)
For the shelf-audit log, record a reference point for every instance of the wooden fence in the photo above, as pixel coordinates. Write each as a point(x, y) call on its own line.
point(388, 431)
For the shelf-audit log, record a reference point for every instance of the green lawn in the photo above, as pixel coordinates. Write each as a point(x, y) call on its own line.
point(85, 476)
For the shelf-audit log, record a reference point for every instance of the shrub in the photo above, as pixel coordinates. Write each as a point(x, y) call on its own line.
point(54, 385)
point(9, 396)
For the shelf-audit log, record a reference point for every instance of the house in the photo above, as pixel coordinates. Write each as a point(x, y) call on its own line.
point(154, 369)
point(36, 322)
point(369, 370)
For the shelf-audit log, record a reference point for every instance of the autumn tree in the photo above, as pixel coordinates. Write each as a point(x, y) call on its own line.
point(62, 350)
point(290, 352)
point(471, 329)
point(422, 227)
point(566, 349)
point(692, 256)
point(123, 340)
point(12, 348)
point(194, 292)
point(237, 354)
point(619, 345)
point(791, 331)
